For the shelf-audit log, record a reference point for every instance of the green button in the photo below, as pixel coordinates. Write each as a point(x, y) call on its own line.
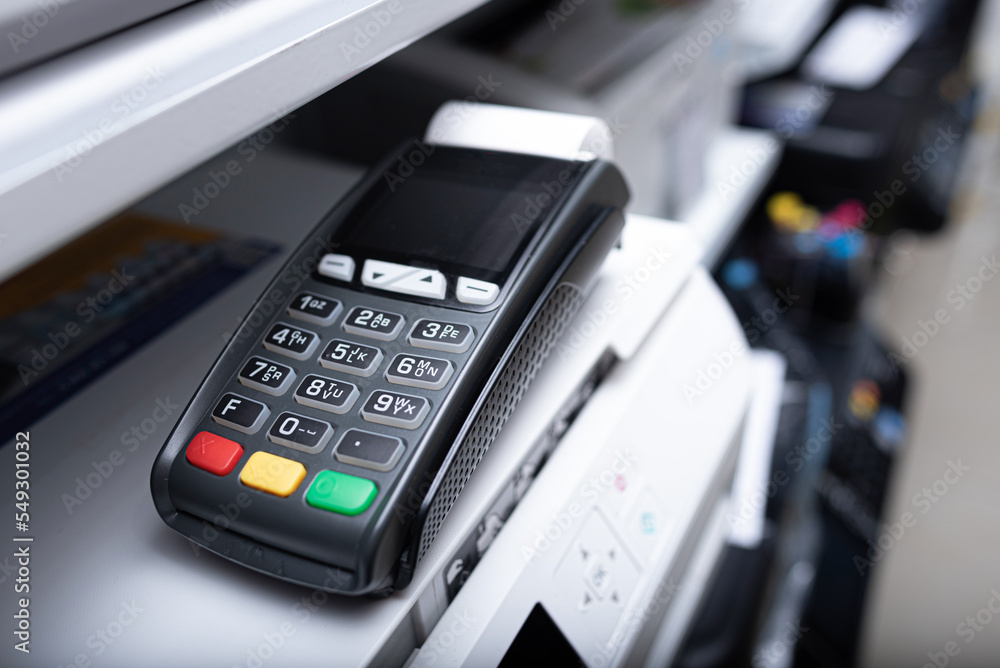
point(341, 493)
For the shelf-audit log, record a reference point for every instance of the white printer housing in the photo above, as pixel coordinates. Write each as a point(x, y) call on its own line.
point(621, 526)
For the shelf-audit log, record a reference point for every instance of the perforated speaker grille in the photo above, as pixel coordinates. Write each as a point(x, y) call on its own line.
point(515, 379)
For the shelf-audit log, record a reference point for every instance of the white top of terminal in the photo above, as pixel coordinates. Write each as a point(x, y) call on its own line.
point(517, 130)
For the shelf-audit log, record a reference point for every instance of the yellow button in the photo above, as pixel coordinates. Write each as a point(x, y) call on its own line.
point(272, 474)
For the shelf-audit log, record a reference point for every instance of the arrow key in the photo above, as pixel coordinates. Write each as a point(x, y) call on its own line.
point(421, 283)
point(378, 274)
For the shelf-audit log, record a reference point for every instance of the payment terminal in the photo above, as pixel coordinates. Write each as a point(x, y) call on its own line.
point(335, 431)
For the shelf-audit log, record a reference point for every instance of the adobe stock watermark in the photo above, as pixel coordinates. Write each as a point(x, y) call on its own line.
point(574, 338)
point(455, 624)
point(456, 114)
point(795, 460)
point(902, 11)
point(924, 501)
point(914, 168)
point(761, 323)
point(38, 359)
point(274, 300)
point(34, 23)
point(958, 298)
point(758, 156)
point(709, 30)
point(967, 630)
point(709, 375)
point(722, 362)
point(8, 568)
point(592, 489)
point(613, 128)
point(635, 619)
point(536, 205)
point(272, 641)
point(119, 111)
point(408, 163)
point(774, 654)
point(101, 470)
point(369, 28)
point(223, 8)
point(918, 164)
point(103, 638)
point(900, 255)
point(211, 529)
point(415, 493)
point(217, 181)
point(796, 118)
point(562, 12)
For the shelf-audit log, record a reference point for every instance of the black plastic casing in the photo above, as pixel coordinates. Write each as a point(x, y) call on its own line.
point(375, 552)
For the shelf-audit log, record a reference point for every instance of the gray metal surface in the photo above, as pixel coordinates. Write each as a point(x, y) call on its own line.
point(37, 29)
point(85, 135)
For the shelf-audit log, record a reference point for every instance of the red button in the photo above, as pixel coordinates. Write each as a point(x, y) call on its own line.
point(213, 453)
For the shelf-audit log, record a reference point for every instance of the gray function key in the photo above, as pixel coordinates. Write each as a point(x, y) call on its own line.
point(471, 291)
point(449, 337)
point(373, 323)
point(266, 376)
point(326, 394)
point(300, 432)
point(350, 357)
point(335, 265)
point(395, 410)
point(289, 340)
point(240, 413)
point(371, 451)
point(417, 371)
point(314, 308)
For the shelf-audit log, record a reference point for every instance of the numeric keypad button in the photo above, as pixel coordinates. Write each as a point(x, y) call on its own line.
point(314, 308)
point(371, 451)
point(351, 357)
point(449, 337)
point(266, 376)
point(395, 409)
point(300, 432)
point(373, 323)
point(240, 413)
point(289, 340)
point(326, 394)
point(417, 371)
